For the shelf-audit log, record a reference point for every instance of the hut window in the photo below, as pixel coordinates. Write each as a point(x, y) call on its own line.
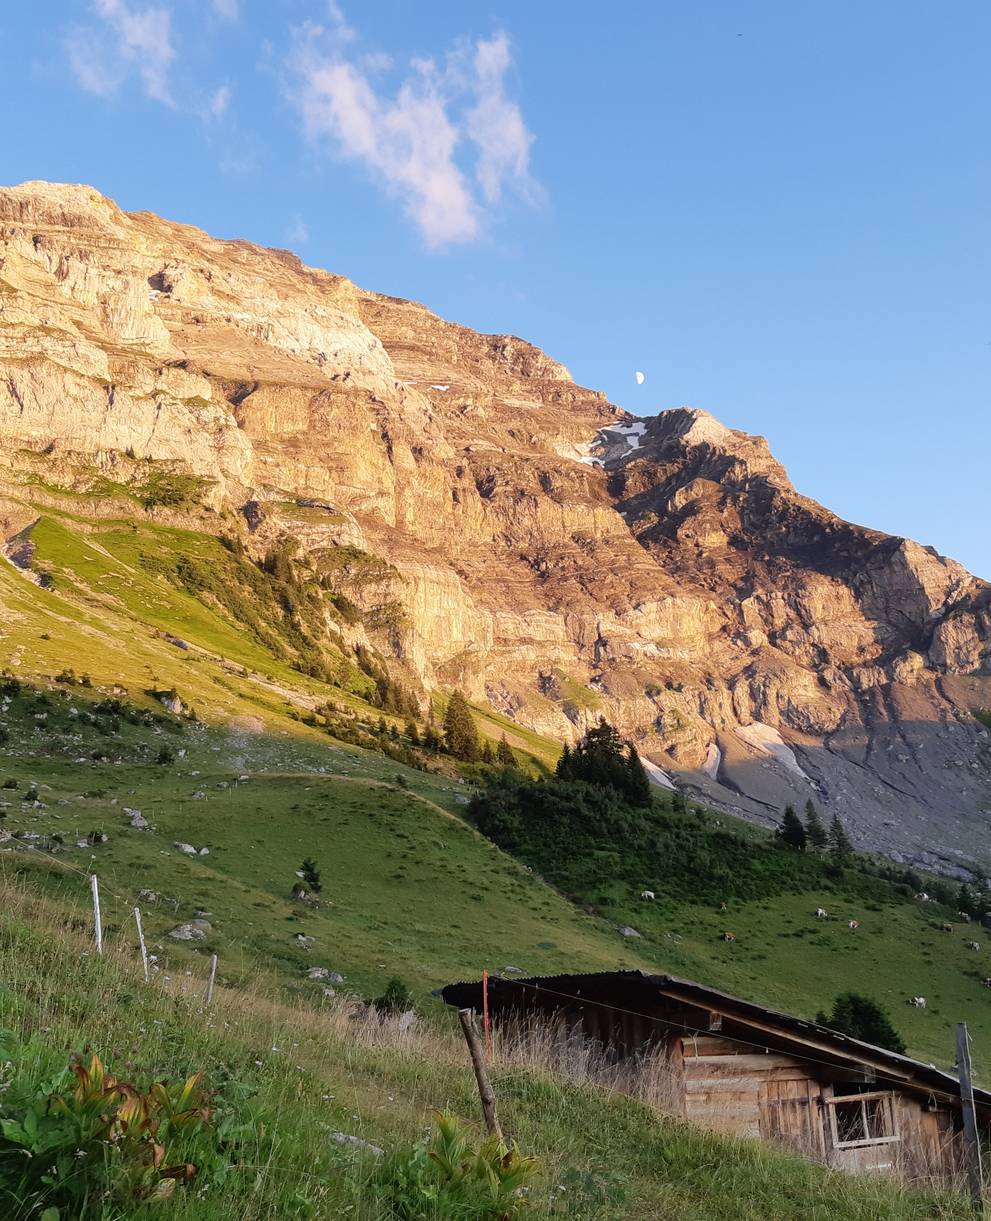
point(862, 1119)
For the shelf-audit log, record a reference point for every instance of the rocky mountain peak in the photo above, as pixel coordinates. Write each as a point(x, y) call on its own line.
point(522, 537)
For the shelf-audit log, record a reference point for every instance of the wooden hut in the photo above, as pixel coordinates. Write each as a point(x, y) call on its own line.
point(740, 1068)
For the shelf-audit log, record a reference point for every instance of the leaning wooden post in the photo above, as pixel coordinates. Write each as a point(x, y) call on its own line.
point(97, 924)
point(467, 1019)
point(971, 1140)
point(210, 981)
point(141, 942)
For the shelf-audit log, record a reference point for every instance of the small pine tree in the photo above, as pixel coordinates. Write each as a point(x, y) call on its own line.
point(840, 845)
point(638, 788)
point(564, 769)
point(396, 998)
point(792, 831)
point(412, 733)
point(504, 754)
point(815, 833)
point(460, 733)
point(311, 875)
point(487, 756)
point(861, 1018)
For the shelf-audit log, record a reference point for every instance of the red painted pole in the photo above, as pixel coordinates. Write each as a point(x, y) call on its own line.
point(485, 1015)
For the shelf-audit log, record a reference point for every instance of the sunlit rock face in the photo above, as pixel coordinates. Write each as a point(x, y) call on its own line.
point(534, 544)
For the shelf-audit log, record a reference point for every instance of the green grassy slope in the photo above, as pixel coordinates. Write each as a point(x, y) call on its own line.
point(291, 1077)
point(408, 889)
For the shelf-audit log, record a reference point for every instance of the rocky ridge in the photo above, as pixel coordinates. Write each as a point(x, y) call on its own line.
point(530, 542)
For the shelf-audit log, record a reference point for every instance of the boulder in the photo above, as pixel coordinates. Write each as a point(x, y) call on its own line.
point(192, 930)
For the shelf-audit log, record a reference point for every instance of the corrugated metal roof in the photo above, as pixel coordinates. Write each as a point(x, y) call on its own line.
point(629, 986)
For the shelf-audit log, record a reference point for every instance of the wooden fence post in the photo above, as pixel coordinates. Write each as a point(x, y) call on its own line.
point(971, 1139)
point(141, 942)
point(467, 1019)
point(210, 981)
point(97, 924)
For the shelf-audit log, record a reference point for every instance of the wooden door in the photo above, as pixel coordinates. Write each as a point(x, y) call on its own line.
point(790, 1115)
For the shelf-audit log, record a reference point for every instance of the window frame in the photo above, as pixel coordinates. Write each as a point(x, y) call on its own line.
point(887, 1097)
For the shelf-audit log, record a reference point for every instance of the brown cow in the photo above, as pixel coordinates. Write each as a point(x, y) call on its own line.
point(728, 937)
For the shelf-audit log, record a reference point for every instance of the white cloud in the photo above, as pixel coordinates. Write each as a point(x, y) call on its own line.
point(218, 103)
point(495, 124)
point(127, 40)
point(226, 9)
point(298, 231)
point(417, 140)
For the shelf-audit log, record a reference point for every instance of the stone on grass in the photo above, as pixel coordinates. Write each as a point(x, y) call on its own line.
point(345, 1138)
point(626, 931)
point(192, 930)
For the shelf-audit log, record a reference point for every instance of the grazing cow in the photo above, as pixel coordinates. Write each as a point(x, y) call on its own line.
point(728, 937)
point(918, 1001)
point(947, 928)
point(964, 917)
point(646, 894)
point(973, 945)
point(922, 897)
point(821, 913)
point(854, 924)
point(722, 906)
point(986, 983)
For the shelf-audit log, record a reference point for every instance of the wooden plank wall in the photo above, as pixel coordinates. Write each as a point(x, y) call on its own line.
point(749, 1093)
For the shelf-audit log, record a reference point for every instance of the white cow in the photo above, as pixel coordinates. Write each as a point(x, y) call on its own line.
point(821, 913)
point(918, 1001)
point(646, 894)
point(973, 945)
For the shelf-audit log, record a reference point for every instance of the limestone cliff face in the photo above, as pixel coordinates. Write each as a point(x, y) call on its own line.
point(538, 546)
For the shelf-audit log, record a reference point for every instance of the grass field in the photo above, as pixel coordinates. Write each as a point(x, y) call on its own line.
point(409, 889)
point(291, 1080)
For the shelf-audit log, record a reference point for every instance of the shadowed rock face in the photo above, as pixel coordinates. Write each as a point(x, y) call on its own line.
point(532, 543)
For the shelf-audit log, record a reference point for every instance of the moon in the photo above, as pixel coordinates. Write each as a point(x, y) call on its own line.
point(641, 378)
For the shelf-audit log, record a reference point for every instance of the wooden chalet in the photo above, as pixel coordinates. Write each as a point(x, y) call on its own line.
point(740, 1068)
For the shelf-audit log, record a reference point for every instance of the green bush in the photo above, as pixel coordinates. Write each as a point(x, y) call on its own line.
point(448, 1179)
point(86, 1144)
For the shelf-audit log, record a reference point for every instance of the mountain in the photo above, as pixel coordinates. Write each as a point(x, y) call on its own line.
point(483, 522)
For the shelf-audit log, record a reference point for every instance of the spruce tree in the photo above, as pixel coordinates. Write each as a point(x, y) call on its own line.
point(840, 845)
point(504, 754)
point(311, 875)
point(791, 831)
point(861, 1018)
point(487, 756)
point(638, 790)
point(412, 733)
point(460, 733)
point(565, 764)
point(815, 833)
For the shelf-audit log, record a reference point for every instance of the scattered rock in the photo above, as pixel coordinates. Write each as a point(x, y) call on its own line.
point(345, 1138)
point(188, 849)
point(192, 930)
point(626, 931)
point(137, 820)
point(325, 975)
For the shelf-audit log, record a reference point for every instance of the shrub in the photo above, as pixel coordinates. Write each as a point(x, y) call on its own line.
point(88, 1140)
point(11, 783)
point(447, 1178)
point(165, 755)
point(396, 998)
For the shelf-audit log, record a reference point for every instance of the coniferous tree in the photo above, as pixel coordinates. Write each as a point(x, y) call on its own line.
point(487, 756)
point(504, 754)
point(412, 733)
point(311, 875)
point(460, 733)
point(565, 768)
point(602, 757)
point(638, 791)
point(861, 1018)
point(840, 845)
point(792, 831)
point(815, 833)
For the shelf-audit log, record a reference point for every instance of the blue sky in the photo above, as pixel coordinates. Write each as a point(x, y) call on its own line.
point(777, 210)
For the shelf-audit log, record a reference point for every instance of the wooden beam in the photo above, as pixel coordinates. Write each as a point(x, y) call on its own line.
point(971, 1141)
